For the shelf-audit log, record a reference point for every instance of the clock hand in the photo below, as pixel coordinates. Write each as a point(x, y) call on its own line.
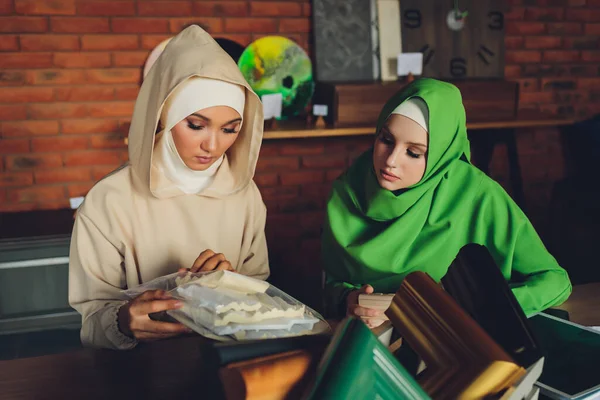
point(458, 15)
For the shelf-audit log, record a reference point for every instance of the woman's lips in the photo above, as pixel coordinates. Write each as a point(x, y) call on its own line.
point(203, 159)
point(388, 177)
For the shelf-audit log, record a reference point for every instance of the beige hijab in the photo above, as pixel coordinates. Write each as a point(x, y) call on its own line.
point(193, 53)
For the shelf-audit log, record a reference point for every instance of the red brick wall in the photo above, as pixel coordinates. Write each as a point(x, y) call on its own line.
point(70, 71)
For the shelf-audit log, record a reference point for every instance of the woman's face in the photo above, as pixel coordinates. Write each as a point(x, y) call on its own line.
point(206, 135)
point(400, 153)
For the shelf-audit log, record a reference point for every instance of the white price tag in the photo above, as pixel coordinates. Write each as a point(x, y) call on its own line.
point(75, 202)
point(272, 104)
point(320, 110)
point(410, 63)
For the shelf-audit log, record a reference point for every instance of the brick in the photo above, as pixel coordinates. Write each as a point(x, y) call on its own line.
point(512, 71)
point(525, 28)
point(79, 189)
point(129, 58)
point(251, 25)
point(59, 143)
point(220, 8)
point(515, 13)
point(333, 174)
point(57, 110)
point(82, 60)
point(529, 85)
point(583, 70)
point(269, 148)
point(279, 192)
point(165, 8)
point(561, 56)
point(564, 28)
point(33, 161)
point(49, 42)
point(589, 83)
point(54, 77)
point(109, 42)
point(24, 60)
point(536, 97)
point(244, 39)
point(211, 25)
point(514, 42)
point(47, 7)
point(12, 78)
point(26, 95)
point(316, 191)
point(15, 24)
point(303, 204)
point(29, 128)
point(111, 109)
point(11, 146)
point(578, 43)
point(592, 29)
point(302, 177)
point(324, 162)
point(8, 179)
point(276, 164)
point(86, 93)
point(558, 84)
point(36, 194)
point(544, 14)
point(127, 93)
point(107, 8)
point(306, 9)
point(6, 7)
point(583, 15)
point(114, 75)
point(266, 179)
point(9, 43)
point(149, 42)
point(79, 25)
point(94, 157)
point(543, 42)
point(99, 172)
point(287, 25)
point(275, 9)
point(519, 57)
point(107, 141)
point(140, 25)
point(307, 148)
point(88, 125)
point(590, 56)
point(12, 112)
point(62, 175)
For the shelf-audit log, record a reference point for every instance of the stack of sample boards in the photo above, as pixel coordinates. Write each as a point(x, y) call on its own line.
point(469, 335)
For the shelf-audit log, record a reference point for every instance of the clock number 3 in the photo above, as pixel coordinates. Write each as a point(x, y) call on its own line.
point(412, 18)
point(496, 21)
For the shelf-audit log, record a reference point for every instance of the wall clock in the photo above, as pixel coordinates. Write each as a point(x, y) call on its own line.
point(458, 38)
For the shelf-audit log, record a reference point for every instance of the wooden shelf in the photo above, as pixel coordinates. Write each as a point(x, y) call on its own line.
point(297, 130)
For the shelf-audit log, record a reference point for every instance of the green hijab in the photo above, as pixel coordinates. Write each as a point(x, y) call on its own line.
point(376, 236)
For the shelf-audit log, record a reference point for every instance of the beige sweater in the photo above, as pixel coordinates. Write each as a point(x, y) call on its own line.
point(126, 233)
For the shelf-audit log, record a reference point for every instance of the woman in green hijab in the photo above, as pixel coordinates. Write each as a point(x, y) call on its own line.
point(414, 200)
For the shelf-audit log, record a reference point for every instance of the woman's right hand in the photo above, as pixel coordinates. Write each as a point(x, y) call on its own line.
point(368, 315)
point(134, 320)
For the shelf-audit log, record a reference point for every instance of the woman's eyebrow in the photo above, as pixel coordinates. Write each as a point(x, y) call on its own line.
point(233, 120)
point(418, 144)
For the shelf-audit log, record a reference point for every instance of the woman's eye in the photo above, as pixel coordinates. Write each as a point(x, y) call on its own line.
point(412, 154)
point(385, 140)
point(194, 127)
point(227, 130)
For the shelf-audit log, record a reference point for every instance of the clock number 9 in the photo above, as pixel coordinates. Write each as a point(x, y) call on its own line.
point(412, 18)
point(497, 21)
point(458, 67)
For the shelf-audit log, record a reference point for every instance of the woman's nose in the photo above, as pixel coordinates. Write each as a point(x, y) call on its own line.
point(210, 142)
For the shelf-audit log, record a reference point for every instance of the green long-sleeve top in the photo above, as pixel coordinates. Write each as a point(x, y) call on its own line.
point(375, 236)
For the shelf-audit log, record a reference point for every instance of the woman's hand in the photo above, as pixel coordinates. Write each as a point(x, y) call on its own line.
point(135, 322)
point(368, 315)
point(208, 260)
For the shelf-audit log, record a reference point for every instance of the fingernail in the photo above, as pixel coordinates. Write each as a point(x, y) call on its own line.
point(178, 304)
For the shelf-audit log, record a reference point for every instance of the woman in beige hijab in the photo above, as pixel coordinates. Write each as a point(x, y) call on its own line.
point(186, 198)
